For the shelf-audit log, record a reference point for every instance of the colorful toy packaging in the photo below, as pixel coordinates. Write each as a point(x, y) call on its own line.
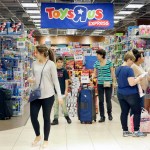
point(142, 30)
point(15, 28)
point(3, 28)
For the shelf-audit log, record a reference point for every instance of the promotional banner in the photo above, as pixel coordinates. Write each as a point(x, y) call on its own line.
point(77, 16)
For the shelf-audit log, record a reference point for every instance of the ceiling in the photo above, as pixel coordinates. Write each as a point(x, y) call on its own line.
point(13, 9)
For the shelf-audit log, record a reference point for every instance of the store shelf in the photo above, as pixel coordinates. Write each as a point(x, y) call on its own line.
point(3, 82)
point(16, 96)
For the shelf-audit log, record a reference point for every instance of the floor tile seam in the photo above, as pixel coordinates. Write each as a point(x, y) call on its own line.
point(90, 137)
point(18, 138)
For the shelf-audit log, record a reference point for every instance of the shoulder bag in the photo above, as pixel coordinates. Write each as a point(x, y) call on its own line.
point(36, 94)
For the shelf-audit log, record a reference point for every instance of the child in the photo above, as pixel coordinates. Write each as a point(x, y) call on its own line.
point(63, 81)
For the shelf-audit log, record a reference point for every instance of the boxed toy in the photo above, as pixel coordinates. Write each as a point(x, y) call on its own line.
point(15, 28)
point(3, 28)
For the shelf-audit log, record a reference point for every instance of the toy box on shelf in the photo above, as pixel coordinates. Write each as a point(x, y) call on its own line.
point(15, 64)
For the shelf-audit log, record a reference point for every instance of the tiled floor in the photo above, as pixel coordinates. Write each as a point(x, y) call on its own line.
point(76, 136)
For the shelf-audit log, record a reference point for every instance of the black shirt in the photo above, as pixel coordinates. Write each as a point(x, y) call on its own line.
point(62, 76)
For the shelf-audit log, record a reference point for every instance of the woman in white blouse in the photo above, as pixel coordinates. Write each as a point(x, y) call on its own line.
point(49, 81)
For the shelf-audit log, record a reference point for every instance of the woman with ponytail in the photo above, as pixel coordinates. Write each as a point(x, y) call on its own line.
point(49, 82)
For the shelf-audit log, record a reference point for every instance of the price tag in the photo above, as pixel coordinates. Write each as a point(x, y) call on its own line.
point(20, 44)
point(85, 79)
point(78, 57)
point(94, 53)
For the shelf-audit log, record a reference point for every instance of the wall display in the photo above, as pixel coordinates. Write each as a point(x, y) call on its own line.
point(15, 67)
point(77, 16)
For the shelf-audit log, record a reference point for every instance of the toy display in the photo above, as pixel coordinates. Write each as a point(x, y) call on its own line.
point(15, 67)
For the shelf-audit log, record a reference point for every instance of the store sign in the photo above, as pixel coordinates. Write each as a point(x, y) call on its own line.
point(77, 16)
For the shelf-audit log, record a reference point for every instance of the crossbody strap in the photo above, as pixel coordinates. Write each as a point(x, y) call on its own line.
point(42, 73)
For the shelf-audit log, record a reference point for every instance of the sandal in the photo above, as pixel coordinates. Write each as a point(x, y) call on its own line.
point(36, 143)
point(45, 145)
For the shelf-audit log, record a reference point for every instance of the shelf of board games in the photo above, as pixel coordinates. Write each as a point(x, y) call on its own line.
point(16, 57)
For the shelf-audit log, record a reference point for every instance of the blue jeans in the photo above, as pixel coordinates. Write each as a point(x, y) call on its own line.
point(128, 102)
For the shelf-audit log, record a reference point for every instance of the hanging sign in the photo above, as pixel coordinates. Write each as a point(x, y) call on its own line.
point(85, 77)
point(77, 16)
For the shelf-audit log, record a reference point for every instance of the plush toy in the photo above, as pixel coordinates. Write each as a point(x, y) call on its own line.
point(142, 29)
point(141, 43)
point(148, 30)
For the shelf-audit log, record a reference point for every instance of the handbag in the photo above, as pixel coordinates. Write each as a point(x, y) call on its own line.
point(107, 84)
point(36, 94)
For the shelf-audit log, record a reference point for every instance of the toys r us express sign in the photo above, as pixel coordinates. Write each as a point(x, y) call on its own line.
point(77, 16)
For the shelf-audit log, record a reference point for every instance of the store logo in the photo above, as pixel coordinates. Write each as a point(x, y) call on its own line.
point(78, 14)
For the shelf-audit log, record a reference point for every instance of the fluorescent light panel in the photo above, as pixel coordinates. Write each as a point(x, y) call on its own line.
point(134, 6)
point(31, 5)
point(35, 17)
point(98, 30)
point(125, 12)
point(36, 20)
point(119, 17)
point(37, 24)
point(116, 21)
point(33, 11)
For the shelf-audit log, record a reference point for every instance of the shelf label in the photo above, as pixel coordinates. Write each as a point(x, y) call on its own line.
point(20, 44)
point(78, 57)
point(85, 79)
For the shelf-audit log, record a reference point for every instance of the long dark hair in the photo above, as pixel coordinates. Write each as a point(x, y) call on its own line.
point(42, 49)
point(137, 54)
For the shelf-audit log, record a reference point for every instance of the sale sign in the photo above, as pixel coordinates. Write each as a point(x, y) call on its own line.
point(77, 16)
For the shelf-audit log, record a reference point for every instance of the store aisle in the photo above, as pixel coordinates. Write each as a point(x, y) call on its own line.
point(76, 136)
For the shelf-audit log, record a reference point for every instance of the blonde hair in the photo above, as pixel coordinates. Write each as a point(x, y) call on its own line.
point(129, 55)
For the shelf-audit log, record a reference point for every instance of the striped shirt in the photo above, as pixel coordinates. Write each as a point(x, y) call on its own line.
point(103, 72)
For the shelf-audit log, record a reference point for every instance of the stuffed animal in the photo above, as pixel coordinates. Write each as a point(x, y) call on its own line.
point(142, 29)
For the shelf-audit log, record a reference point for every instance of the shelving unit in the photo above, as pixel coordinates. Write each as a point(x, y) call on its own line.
point(15, 67)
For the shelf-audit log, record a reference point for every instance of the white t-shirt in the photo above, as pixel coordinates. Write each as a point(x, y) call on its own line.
point(138, 70)
point(49, 79)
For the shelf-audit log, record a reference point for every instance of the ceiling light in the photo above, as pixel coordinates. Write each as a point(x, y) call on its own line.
point(33, 11)
point(116, 21)
point(125, 12)
point(134, 6)
point(98, 31)
point(35, 17)
point(36, 20)
point(37, 24)
point(119, 17)
point(29, 4)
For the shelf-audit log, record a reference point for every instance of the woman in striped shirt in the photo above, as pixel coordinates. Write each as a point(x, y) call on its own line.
point(104, 71)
